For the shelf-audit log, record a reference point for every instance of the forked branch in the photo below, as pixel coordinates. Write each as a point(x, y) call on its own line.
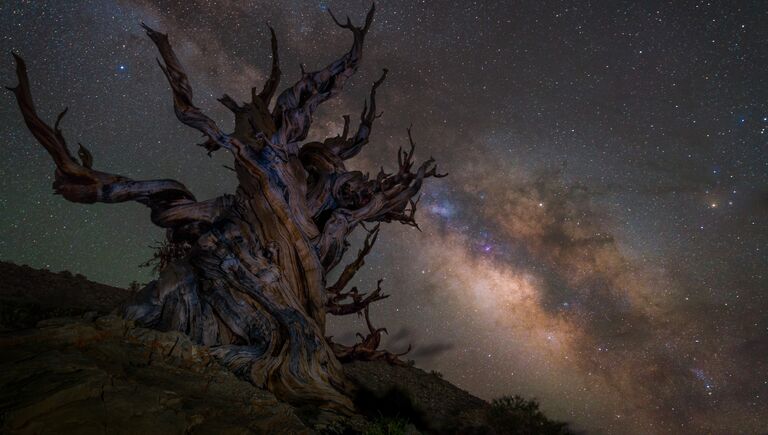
point(368, 347)
point(78, 182)
point(360, 301)
point(295, 106)
point(395, 192)
point(359, 199)
point(346, 148)
point(351, 269)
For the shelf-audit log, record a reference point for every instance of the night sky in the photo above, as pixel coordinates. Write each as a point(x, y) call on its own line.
point(601, 243)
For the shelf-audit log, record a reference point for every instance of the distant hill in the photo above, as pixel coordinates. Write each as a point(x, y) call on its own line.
point(68, 366)
point(29, 295)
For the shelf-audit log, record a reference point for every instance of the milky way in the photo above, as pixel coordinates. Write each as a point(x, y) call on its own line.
point(600, 243)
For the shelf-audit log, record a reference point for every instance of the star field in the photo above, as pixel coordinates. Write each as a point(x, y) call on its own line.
point(601, 242)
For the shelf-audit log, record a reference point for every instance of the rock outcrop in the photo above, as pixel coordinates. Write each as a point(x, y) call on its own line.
point(102, 375)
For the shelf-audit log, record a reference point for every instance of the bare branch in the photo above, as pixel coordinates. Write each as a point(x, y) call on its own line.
point(367, 348)
point(359, 199)
point(345, 131)
point(351, 269)
point(230, 103)
point(296, 105)
point(397, 190)
point(76, 181)
point(186, 111)
point(270, 87)
point(359, 301)
point(348, 24)
point(351, 147)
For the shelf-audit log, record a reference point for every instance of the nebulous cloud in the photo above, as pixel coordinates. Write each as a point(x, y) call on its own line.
point(614, 313)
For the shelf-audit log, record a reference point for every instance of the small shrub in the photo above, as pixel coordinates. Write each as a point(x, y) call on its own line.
point(436, 374)
point(166, 252)
point(395, 404)
point(387, 426)
point(514, 415)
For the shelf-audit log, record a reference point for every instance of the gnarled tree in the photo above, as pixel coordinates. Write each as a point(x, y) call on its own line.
point(246, 273)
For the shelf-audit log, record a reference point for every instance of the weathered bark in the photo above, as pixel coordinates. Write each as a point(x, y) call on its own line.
point(246, 273)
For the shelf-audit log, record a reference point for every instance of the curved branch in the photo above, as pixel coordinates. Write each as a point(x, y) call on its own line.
point(358, 304)
point(254, 120)
point(350, 148)
point(398, 190)
point(342, 147)
point(387, 198)
point(203, 212)
point(270, 87)
point(186, 111)
point(351, 269)
point(367, 348)
point(295, 106)
point(77, 182)
point(324, 161)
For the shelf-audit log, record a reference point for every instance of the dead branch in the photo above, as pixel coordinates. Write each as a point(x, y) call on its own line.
point(186, 111)
point(367, 348)
point(351, 269)
point(295, 106)
point(270, 87)
point(77, 181)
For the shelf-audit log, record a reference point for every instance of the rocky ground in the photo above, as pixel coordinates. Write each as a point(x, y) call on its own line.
point(424, 399)
point(68, 366)
point(102, 375)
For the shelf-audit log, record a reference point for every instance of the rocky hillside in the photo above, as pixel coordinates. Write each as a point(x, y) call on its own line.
point(29, 295)
point(81, 375)
point(68, 366)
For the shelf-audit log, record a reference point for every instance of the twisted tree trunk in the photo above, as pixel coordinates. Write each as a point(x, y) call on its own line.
point(246, 273)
